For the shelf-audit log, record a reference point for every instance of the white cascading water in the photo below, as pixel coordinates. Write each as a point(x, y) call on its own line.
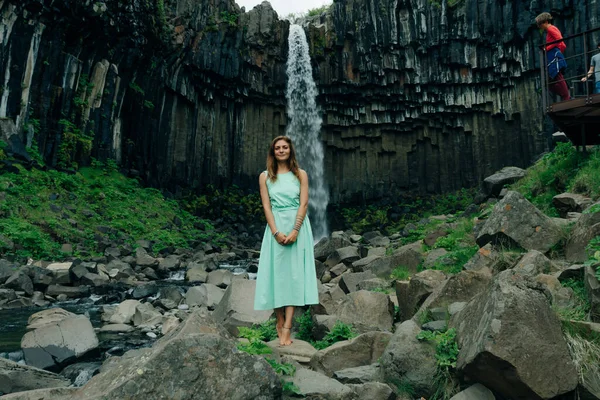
point(304, 127)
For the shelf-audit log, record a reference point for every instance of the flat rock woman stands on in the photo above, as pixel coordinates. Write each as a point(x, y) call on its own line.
point(286, 269)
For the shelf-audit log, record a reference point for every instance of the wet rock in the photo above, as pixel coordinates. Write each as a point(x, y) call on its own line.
point(145, 290)
point(68, 291)
point(205, 295)
point(58, 337)
point(124, 312)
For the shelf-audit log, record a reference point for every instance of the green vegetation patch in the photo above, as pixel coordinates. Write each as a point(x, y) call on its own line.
point(400, 273)
point(446, 355)
point(392, 218)
point(563, 169)
point(41, 210)
point(319, 10)
point(461, 246)
point(580, 308)
point(339, 332)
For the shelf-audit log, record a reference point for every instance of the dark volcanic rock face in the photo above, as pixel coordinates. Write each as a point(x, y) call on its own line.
point(415, 94)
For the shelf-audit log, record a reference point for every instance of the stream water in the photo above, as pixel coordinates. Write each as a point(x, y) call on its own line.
point(14, 321)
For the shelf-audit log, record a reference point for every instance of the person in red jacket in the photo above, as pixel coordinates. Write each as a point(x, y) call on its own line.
point(557, 84)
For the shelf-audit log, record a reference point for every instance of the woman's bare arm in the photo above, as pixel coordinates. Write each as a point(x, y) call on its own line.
point(266, 202)
point(302, 209)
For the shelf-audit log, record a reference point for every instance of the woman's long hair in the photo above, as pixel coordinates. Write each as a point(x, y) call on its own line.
point(272, 161)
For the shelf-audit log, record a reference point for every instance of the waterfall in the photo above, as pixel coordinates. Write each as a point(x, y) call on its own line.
point(304, 127)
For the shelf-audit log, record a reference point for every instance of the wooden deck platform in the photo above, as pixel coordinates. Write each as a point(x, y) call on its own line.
point(578, 118)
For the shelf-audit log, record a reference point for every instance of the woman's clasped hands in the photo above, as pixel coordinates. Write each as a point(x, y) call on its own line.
point(291, 238)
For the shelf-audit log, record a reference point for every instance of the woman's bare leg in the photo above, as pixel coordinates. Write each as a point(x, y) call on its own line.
point(280, 315)
point(286, 332)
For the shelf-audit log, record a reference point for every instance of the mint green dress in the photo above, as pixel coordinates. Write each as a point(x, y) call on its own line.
point(286, 273)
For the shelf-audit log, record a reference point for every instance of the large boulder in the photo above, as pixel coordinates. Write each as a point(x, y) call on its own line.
point(144, 314)
point(486, 257)
point(511, 341)
point(69, 291)
point(586, 228)
point(199, 360)
point(17, 378)
point(570, 202)
point(516, 220)
point(358, 375)
point(408, 361)
point(457, 288)
point(314, 385)
point(534, 262)
point(19, 280)
point(328, 245)
point(367, 311)
point(59, 337)
point(237, 307)
point(346, 255)
point(349, 282)
point(205, 295)
point(143, 259)
point(359, 351)
point(412, 294)
point(493, 184)
point(330, 297)
point(59, 393)
point(408, 256)
point(124, 312)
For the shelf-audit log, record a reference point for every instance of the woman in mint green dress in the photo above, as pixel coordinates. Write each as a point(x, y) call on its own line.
point(286, 269)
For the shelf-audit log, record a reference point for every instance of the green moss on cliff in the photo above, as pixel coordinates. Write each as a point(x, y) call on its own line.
point(39, 211)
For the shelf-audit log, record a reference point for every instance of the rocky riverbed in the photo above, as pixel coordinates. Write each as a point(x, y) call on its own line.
point(501, 324)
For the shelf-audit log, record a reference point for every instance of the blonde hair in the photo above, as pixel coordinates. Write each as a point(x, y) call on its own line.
point(543, 17)
point(291, 161)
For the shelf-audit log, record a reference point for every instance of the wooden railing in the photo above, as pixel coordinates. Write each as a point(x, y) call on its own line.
point(580, 48)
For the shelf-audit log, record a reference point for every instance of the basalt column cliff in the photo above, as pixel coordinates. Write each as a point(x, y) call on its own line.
point(421, 95)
